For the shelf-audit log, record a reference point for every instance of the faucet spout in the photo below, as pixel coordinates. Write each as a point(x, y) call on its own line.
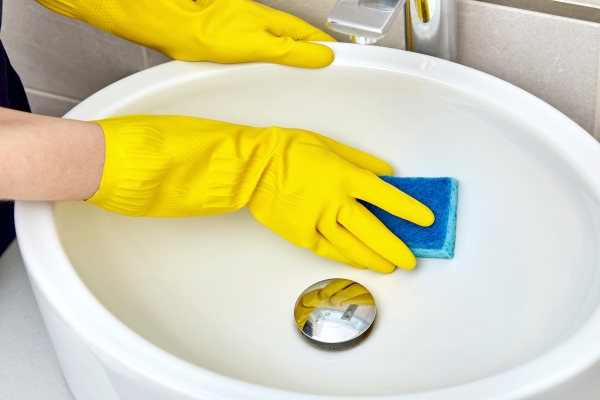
point(430, 26)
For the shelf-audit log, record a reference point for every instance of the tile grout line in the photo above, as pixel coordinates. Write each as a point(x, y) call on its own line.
point(559, 8)
point(597, 108)
point(145, 57)
point(52, 95)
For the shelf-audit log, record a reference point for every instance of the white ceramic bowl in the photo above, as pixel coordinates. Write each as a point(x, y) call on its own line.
point(201, 308)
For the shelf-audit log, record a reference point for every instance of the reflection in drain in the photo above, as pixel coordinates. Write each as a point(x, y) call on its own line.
point(335, 314)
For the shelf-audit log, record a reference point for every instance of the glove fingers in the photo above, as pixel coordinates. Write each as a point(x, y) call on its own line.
point(372, 189)
point(351, 247)
point(318, 297)
point(362, 300)
point(286, 51)
point(346, 295)
point(372, 232)
point(353, 290)
point(334, 287)
point(324, 248)
point(360, 158)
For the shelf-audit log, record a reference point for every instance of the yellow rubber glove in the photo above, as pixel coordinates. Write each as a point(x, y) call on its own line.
point(224, 31)
point(301, 185)
point(337, 293)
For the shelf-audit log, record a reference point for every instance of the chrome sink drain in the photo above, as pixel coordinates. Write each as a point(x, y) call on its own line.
point(335, 314)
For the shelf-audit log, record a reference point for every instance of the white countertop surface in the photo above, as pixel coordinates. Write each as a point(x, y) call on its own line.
point(29, 369)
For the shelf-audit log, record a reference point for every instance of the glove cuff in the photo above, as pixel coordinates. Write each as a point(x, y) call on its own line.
point(134, 168)
point(99, 13)
point(173, 166)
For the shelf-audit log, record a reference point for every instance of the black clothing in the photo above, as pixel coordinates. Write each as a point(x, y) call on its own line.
point(12, 95)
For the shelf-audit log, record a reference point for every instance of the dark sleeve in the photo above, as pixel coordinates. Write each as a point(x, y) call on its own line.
point(12, 95)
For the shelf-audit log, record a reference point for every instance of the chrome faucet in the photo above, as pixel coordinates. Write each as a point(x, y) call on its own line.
point(430, 26)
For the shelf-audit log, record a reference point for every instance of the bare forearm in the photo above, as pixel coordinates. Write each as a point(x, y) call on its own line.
point(46, 158)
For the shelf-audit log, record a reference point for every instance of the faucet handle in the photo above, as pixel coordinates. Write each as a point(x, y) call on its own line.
point(365, 21)
point(430, 26)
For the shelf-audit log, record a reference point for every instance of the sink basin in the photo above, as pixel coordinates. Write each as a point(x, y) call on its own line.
point(202, 308)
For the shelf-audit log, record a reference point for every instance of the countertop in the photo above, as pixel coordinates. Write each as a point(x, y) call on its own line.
point(29, 369)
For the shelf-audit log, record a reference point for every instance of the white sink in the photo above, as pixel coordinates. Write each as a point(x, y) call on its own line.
point(202, 308)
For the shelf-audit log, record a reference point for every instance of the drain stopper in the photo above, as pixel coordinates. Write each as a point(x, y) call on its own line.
point(335, 314)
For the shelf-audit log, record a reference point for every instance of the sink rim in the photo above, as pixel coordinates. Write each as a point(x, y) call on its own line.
point(121, 348)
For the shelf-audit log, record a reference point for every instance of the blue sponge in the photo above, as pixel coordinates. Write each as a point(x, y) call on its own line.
point(441, 196)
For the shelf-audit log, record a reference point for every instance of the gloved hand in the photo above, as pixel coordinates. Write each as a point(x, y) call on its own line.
point(301, 185)
point(224, 31)
point(337, 293)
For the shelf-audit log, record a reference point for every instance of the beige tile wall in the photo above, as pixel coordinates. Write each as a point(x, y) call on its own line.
point(589, 2)
point(557, 59)
point(62, 61)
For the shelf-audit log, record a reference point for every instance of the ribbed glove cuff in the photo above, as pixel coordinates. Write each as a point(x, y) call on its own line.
point(135, 166)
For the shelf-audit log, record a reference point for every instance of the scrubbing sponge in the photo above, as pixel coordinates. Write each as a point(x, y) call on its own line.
point(441, 196)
